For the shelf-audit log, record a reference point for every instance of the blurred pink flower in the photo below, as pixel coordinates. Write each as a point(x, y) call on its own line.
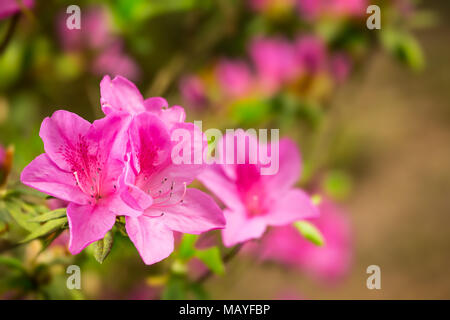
point(94, 32)
point(10, 7)
point(340, 67)
point(311, 53)
point(55, 203)
point(2, 155)
point(255, 201)
point(112, 60)
point(312, 9)
point(193, 91)
point(330, 262)
point(275, 62)
point(234, 77)
point(81, 165)
point(96, 38)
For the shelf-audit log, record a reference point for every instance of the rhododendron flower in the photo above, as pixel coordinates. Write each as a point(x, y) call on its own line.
point(234, 77)
point(255, 201)
point(81, 165)
point(153, 183)
point(275, 62)
point(328, 262)
point(157, 187)
point(10, 7)
point(340, 66)
point(96, 38)
point(193, 91)
point(312, 9)
point(311, 53)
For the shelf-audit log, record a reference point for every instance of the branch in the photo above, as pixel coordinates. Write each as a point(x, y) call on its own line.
point(9, 32)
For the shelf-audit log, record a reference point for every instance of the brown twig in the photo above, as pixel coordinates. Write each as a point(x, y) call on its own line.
point(9, 32)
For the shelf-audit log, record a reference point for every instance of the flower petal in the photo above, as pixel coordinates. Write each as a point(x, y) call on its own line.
point(239, 228)
point(155, 104)
point(61, 134)
point(119, 95)
point(295, 205)
point(43, 175)
point(289, 167)
point(87, 224)
point(151, 237)
point(223, 188)
point(196, 214)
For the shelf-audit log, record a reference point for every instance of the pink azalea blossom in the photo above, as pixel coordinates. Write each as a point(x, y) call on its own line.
point(329, 262)
point(112, 60)
point(81, 165)
point(2, 155)
point(275, 62)
point(312, 9)
point(254, 201)
point(193, 91)
point(340, 67)
point(234, 77)
point(154, 184)
point(11, 7)
point(311, 53)
point(94, 33)
point(96, 38)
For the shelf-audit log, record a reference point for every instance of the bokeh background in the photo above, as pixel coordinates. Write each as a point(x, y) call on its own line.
point(381, 137)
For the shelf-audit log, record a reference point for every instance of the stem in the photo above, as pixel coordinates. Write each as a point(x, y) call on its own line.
point(227, 258)
point(9, 32)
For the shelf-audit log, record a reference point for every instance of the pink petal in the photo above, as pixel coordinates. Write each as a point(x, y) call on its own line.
point(155, 104)
point(240, 228)
point(61, 133)
point(151, 237)
point(196, 214)
point(132, 195)
point(289, 167)
point(120, 95)
point(43, 175)
point(223, 188)
point(295, 205)
point(87, 224)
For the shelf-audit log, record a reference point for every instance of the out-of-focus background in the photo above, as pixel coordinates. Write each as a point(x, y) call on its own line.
point(381, 137)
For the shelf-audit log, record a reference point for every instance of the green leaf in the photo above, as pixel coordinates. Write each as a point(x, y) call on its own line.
point(46, 229)
point(12, 263)
point(405, 47)
point(21, 213)
point(176, 289)
point(51, 215)
point(212, 258)
point(310, 232)
point(187, 249)
point(103, 247)
point(338, 184)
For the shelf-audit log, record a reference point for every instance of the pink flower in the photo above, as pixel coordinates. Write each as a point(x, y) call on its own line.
point(2, 155)
point(234, 77)
point(340, 66)
point(81, 165)
point(153, 183)
point(313, 9)
point(11, 7)
point(275, 62)
point(255, 201)
point(96, 38)
point(113, 60)
point(329, 262)
point(94, 33)
point(311, 53)
point(193, 91)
